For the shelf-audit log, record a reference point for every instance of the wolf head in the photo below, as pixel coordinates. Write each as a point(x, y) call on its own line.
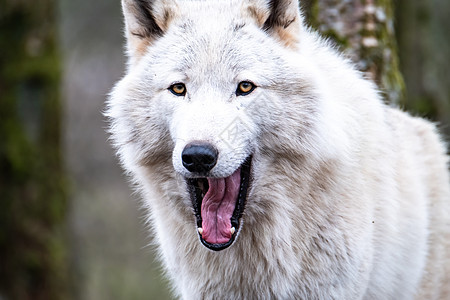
point(214, 89)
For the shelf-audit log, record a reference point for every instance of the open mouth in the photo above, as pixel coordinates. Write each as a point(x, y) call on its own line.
point(219, 204)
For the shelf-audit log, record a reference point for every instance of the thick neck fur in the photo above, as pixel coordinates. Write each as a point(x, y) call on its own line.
point(306, 231)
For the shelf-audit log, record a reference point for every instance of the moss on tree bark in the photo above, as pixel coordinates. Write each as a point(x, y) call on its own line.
point(32, 185)
point(424, 45)
point(364, 30)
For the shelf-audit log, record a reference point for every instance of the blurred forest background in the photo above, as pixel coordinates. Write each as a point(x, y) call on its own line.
point(70, 227)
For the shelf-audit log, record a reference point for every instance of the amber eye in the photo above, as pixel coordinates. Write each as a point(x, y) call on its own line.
point(244, 88)
point(178, 89)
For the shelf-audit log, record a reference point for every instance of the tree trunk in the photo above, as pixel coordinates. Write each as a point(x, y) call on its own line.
point(32, 186)
point(364, 30)
point(424, 47)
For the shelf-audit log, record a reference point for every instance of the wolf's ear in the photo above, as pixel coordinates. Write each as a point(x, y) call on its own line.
point(145, 21)
point(280, 18)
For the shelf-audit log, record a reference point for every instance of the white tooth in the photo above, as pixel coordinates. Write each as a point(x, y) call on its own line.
point(233, 230)
point(200, 230)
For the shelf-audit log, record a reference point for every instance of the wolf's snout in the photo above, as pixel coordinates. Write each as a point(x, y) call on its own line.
point(199, 157)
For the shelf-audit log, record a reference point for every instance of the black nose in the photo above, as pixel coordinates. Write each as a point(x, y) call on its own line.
point(199, 157)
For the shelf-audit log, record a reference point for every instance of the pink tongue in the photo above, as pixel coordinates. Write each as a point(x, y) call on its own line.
point(218, 206)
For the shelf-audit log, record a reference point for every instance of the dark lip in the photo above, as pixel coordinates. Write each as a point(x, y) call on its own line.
point(196, 197)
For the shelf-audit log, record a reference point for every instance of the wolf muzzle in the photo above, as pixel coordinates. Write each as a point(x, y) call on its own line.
point(199, 157)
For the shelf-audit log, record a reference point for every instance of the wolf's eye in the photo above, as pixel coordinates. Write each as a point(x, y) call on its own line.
point(178, 89)
point(244, 88)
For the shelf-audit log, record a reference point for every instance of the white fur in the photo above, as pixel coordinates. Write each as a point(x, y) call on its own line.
point(349, 197)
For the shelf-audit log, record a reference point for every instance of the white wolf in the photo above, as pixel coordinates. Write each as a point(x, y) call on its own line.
point(271, 168)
